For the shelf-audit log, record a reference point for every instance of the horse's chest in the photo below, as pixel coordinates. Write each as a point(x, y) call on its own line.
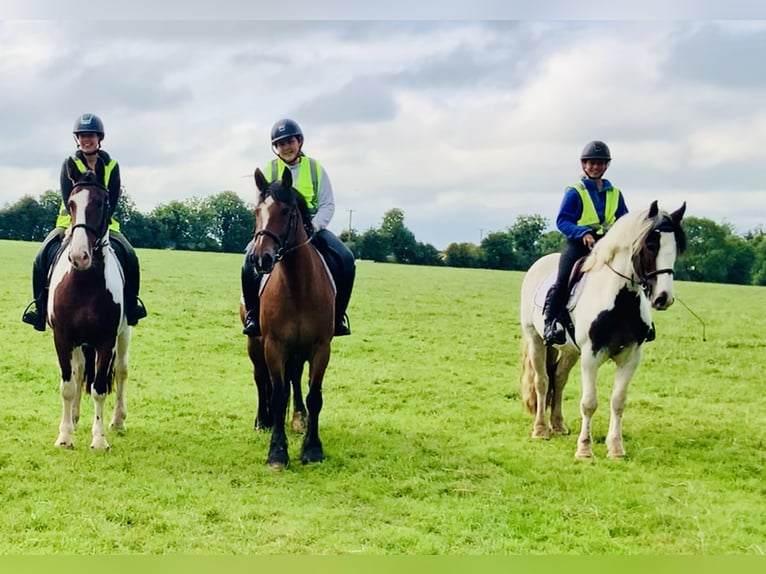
point(622, 325)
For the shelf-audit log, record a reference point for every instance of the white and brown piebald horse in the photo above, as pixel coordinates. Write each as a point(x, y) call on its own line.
point(628, 273)
point(86, 312)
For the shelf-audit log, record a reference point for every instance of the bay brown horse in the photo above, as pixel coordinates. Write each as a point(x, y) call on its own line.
point(86, 312)
point(297, 313)
point(628, 273)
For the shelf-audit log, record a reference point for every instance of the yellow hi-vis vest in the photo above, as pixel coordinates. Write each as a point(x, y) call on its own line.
point(308, 179)
point(589, 216)
point(63, 219)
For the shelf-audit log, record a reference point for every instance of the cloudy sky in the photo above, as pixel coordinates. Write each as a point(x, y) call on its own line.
point(464, 124)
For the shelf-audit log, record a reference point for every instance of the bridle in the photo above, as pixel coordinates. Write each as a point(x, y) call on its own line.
point(642, 278)
point(100, 234)
point(284, 247)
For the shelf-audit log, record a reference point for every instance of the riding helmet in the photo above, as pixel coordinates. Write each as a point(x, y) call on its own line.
point(596, 150)
point(285, 128)
point(89, 123)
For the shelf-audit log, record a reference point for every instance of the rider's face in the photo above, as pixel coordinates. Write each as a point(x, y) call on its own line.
point(88, 142)
point(594, 168)
point(288, 149)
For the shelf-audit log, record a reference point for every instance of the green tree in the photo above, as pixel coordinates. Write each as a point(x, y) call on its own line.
point(232, 221)
point(497, 249)
point(463, 255)
point(401, 241)
point(372, 245)
point(525, 235)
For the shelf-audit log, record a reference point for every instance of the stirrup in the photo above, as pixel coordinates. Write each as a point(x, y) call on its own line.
point(555, 334)
point(32, 317)
point(252, 326)
point(342, 327)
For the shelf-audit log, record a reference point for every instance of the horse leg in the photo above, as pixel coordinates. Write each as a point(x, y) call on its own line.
point(278, 457)
point(298, 422)
point(71, 363)
point(588, 402)
point(120, 380)
point(99, 389)
point(264, 419)
point(312, 446)
point(76, 401)
point(625, 370)
point(563, 366)
point(537, 359)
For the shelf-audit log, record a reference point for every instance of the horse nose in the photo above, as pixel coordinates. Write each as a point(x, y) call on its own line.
point(662, 301)
point(264, 263)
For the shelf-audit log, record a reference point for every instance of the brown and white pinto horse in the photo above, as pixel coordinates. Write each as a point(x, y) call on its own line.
point(86, 312)
point(628, 273)
point(296, 315)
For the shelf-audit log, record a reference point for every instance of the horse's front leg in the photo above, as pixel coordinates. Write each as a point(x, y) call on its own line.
point(626, 367)
point(589, 365)
point(278, 457)
point(99, 390)
point(312, 446)
point(70, 361)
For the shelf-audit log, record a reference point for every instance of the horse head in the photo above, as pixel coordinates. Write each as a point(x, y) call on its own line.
point(279, 216)
point(655, 260)
point(89, 207)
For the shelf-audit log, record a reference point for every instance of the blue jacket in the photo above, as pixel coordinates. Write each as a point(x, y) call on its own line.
point(571, 208)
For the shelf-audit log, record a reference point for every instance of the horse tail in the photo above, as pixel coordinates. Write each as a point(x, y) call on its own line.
point(551, 365)
point(528, 393)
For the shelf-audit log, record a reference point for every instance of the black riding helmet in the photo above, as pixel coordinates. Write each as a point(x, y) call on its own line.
point(596, 150)
point(285, 128)
point(89, 123)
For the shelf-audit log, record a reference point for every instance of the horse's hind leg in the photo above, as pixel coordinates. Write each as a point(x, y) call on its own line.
point(120, 381)
point(312, 447)
point(561, 374)
point(537, 357)
point(298, 422)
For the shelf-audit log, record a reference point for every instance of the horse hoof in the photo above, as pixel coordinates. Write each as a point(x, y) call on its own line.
point(584, 455)
point(616, 456)
point(64, 445)
point(312, 455)
point(276, 465)
point(541, 434)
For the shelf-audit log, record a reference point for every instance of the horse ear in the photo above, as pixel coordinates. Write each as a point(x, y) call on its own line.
point(678, 214)
point(653, 210)
point(71, 171)
point(287, 179)
point(260, 179)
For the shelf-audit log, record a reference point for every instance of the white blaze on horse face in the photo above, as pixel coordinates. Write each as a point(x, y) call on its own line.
point(263, 211)
point(663, 294)
point(79, 249)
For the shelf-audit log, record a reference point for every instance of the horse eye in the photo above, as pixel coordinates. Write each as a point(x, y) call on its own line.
point(285, 211)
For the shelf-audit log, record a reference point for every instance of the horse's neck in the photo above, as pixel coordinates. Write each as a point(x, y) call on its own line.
point(618, 271)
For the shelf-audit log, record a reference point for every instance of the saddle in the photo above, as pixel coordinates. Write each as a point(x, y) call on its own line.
point(572, 285)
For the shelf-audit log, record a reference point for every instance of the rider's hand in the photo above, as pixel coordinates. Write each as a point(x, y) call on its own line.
point(589, 240)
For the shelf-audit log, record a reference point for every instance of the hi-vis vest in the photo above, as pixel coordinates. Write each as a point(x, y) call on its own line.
point(64, 219)
point(308, 179)
point(589, 216)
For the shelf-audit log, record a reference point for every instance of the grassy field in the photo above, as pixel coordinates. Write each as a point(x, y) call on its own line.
point(428, 449)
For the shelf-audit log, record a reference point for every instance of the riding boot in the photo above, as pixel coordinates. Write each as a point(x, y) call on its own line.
point(35, 312)
point(344, 283)
point(554, 332)
point(134, 307)
point(251, 284)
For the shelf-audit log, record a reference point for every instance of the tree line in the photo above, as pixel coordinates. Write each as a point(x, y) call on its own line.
point(224, 223)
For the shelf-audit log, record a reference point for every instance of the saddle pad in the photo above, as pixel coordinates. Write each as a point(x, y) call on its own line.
point(266, 276)
point(542, 291)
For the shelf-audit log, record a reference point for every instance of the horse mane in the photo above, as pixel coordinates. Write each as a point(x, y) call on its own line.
point(627, 233)
point(288, 195)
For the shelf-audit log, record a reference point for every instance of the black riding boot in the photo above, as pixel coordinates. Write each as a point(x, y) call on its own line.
point(651, 334)
point(134, 307)
point(554, 332)
point(42, 264)
point(251, 283)
point(343, 288)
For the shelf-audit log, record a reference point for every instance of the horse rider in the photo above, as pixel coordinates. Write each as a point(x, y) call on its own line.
point(88, 133)
point(311, 181)
point(588, 210)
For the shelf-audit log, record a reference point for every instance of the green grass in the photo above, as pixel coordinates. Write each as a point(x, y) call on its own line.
point(428, 450)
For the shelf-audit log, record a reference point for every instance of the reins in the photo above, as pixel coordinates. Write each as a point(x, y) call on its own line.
point(102, 240)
